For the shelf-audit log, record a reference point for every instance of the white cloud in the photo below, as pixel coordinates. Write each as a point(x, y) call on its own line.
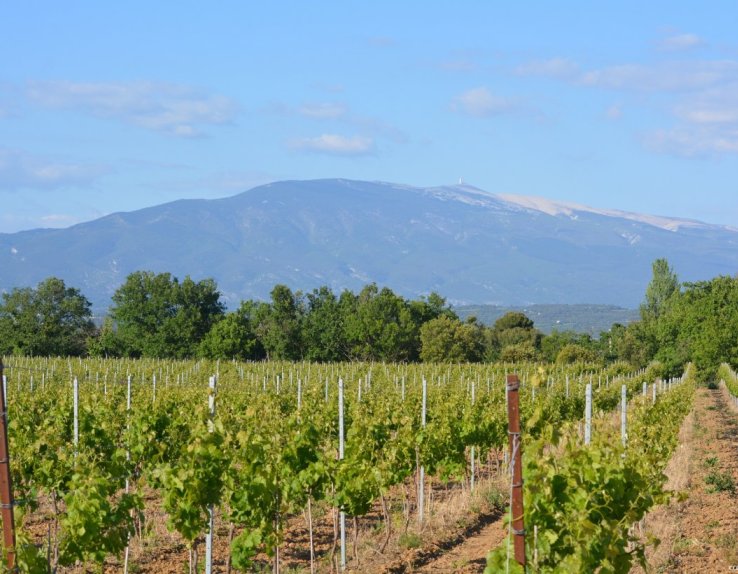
point(714, 106)
point(334, 144)
point(667, 76)
point(176, 110)
point(480, 103)
point(694, 141)
point(21, 170)
point(323, 111)
point(680, 42)
point(675, 76)
point(708, 125)
point(700, 95)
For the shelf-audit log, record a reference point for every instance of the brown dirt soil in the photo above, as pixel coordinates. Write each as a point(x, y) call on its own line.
point(700, 534)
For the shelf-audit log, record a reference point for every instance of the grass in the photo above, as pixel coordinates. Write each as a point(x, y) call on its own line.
point(688, 546)
point(711, 461)
point(729, 543)
point(410, 540)
point(720, 482)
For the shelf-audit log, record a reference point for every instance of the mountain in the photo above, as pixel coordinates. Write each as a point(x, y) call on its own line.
point(469, 245)
point(581, 318)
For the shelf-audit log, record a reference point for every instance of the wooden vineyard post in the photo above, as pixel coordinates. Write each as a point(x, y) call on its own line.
point(516, 459)
point(6, 486)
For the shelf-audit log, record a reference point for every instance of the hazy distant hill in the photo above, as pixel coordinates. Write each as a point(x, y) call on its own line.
point(469, 245)
point(582, 318)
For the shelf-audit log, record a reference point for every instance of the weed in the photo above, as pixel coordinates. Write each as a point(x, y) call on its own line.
point(496, 498)
point(713, 524)
point(410, 540)
point(720, 482)
point(729, 541)
point(711, 461)
point(688, 546)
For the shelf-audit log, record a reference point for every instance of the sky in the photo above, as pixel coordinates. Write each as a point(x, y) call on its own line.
point(109, 107)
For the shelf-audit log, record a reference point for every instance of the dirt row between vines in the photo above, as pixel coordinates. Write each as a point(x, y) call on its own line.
point(698, 532)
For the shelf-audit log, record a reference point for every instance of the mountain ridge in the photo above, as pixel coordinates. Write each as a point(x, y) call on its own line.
point(470, 245)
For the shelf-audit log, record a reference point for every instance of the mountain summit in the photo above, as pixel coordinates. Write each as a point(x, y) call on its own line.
point(469, 245)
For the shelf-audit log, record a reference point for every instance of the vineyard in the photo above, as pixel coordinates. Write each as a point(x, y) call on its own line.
point(102, 450)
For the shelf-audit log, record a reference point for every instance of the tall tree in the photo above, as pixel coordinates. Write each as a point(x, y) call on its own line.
point(513, 329)
point(156, 316)
point(234, 336)
point(380, 326)
point(664, 284)
point(51, 319)
point(323, 327)
point(279, 324)
point(447, 340)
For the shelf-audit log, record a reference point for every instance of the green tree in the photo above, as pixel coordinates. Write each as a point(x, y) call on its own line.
point(447, 340)
point(278, 324)
point(513, 329)
point(234, 336)
point(519, 352)
point(573, 353)
point(51, 319)
point(380, 326)
point(323, 327)
point(551, 345)
point(664, 284)
point(157, 316)
point(700, 326)
point(105, 342)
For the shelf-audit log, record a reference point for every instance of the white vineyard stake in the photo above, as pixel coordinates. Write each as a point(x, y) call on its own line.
point(340, 457)
point(211, 513)
point(588, 414)
point(623, 413)
point(421, 481)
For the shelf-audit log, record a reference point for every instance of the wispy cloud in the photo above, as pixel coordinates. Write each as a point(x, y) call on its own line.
point(323, 110)
point(339, 114)
point(176, 110)
point(673, 76)
point(694, 141)
point(665, 76)
point(481, 103)
point(700, 96)
point(334, 144)
point(22, 170)
point(680, 42)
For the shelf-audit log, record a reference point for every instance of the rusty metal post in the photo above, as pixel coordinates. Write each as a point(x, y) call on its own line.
point(6, 486)
point(516, 458)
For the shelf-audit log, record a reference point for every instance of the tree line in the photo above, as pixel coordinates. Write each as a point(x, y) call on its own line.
point(157, 315)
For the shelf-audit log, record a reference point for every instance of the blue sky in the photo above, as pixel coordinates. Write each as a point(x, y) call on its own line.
point(117, 106)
